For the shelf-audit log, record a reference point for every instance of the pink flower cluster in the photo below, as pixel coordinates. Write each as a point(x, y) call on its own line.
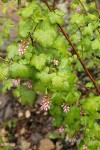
point(29, 84)
point(65, 107)
point(45, 105)
point(22, 47)
point(85, 147)
point(16, 82)
point(78, 9)
point(61, 129)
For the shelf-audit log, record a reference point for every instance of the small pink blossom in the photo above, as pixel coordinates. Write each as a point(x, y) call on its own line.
point(65, 107)
point(78, 9)
point(45, 105)
point(22, 47)
point(85, 147)
point(16, 82)
point(61, 129)
point(29, 84)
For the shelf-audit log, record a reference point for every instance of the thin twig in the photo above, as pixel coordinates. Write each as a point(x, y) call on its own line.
point(97, 138)
point(96, 4)
point(54, 3)
point(32, 40)
point(81, 85)
point(3, 54)
point(83, 7)
point(31, 35)
point(76, 51)
point(81, 60)
point(3, 60)
point(96, 7)
point(81, 39)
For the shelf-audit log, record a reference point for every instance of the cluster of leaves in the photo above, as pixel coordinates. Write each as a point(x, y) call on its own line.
point(85, 31)
point(39, 55)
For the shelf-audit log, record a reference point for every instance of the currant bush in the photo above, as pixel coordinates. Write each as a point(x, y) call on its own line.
point(41, 60)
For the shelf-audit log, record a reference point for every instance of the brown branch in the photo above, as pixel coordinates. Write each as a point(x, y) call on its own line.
point(3, 60)
point(3, 54)
point(31, 39)
point(96, 4)
point(96, 7)
point(81, 85)
point(54, 3)
point(83, 7)
point(97, 138)
point(81, 60)
point(76, 51)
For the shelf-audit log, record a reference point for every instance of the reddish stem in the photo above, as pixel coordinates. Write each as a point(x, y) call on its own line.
point(76, 51)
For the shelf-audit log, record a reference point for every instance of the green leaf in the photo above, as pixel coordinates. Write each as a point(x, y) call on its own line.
point(38, 16)
point(4, 72)
point(6, 31)
point(92, 104)
point(76, 38)
point(7, 86)
point(56, 111)
point(72, 97)
point(57, 82)
point(55, 18)
point(58, 121)
point(77, 19)
point(61, 44)
point(4, 1)
point(86, 42)
point(44, 77)
point(21, 71)
point(65, 64)
point(72, 115)
point(38, 61)
point(73, 128)
point(45, 38)
point(92, 16)
point(1, 40)
point(28, 10)
point(27, 96)
point(96, 44)
point(84, 120)
point(88, 30)
point(25, 27)
point(12, 50)
point(19, 2)
point(57, 98)
point(59, 12)
point(54, 136)
point(89, 85)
